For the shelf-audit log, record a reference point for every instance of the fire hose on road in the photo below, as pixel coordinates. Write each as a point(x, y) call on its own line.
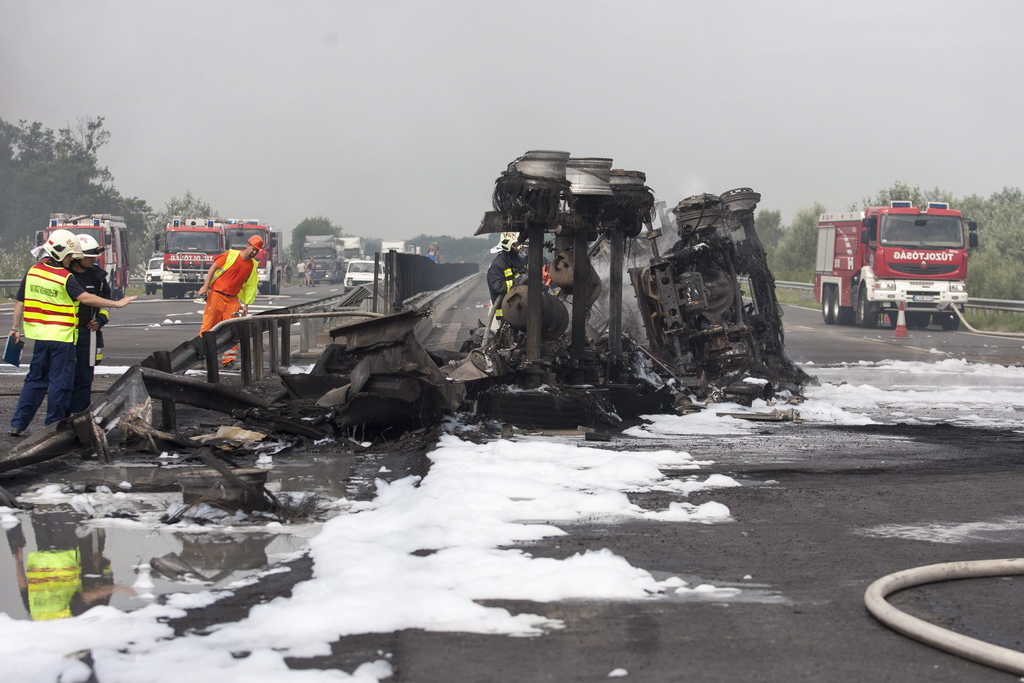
point(991, 334)
point(964, 646)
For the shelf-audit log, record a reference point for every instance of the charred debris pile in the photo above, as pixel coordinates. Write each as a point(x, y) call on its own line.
point(611, 320)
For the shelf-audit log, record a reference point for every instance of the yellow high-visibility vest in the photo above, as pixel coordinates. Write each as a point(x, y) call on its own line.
point(50, 312)
point(54, 576)
point(248, 292)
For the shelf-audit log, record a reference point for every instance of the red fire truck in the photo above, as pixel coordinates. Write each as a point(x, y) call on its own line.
point(869, 262)
point(189, 246)
point(238, 232)
point(110, 233)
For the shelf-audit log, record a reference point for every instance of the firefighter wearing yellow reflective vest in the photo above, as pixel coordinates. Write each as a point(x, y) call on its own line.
point(508, 265)
point(231, 284)
point(47, 305)
point(65, 575)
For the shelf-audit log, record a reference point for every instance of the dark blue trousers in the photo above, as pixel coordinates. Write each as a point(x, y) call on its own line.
point(81, 395)
point(52, 370)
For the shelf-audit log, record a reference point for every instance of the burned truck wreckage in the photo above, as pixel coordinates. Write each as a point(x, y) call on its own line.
point(571, 349)
point(693, 335)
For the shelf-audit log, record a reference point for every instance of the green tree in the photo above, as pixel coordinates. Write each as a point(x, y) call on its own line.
point(44, 172)
point(996, 269)
point(902, 191)
point(318, 225)
point(796, 251)
point(769, 228)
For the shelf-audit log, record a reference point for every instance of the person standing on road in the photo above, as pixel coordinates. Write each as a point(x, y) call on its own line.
point(47, 305)
point(311, 272)
point(230, 284)
point(90, 319)
point(288, 273)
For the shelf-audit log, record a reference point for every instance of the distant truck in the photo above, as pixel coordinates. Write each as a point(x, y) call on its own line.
point(189, 246)
point(327, 258)
point(389, 245)
point(352, 247)
point(870, 262)
point(110, 232)
point(269, 263)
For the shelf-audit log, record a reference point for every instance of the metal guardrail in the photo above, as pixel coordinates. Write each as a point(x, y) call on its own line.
point(976, 304)
point(313, 319)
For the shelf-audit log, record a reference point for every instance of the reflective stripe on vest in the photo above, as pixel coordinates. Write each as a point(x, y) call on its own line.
point(508, 279)
point(50, 312)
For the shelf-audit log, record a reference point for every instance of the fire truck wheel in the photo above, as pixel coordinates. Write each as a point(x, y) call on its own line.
point(867, 315)
point(828, 306)
point(950, 322)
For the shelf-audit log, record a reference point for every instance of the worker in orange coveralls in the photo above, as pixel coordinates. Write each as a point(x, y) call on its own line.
point(231, 284)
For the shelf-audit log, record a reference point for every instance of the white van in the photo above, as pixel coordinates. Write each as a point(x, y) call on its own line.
point(360, 272)
point(154, 273)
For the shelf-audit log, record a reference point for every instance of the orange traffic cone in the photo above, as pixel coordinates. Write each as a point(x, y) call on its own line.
point(901, 324)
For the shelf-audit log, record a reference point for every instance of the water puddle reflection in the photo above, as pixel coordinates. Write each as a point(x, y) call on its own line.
point(65, 556)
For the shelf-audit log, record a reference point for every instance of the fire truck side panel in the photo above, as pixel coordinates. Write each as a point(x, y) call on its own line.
point(110, 232)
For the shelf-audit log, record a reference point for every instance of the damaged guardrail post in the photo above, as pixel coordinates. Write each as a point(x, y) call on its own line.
point(272, 338)
point(212, 357)
point(245, 352)
point(168, 408)
point(304, 324)
point(257, 349)
point(286, 343)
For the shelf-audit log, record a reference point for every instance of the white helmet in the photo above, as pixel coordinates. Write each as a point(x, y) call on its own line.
point(61, 243)
point(508, 241)
point(90, 247)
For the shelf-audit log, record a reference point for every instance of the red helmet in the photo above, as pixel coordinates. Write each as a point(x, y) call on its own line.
point(256, 241)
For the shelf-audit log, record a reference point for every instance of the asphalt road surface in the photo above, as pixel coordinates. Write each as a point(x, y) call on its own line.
point(803, 546)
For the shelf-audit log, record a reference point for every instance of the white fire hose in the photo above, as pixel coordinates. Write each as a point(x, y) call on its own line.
point(991, 334)
point(964, 646)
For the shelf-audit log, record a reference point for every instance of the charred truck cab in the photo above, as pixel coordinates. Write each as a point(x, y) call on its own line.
point(871, 262)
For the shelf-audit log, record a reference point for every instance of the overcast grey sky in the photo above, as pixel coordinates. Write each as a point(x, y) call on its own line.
point(393, 118)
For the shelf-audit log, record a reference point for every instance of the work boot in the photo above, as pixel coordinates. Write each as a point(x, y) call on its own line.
point(16, 432)
point(229, 365)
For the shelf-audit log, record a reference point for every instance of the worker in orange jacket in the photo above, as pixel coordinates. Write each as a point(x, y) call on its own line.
point(231, 284)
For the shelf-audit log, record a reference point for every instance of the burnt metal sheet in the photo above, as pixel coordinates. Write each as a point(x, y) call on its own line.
point(386, 330)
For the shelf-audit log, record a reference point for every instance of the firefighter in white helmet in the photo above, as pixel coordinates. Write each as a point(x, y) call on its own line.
point(508, 265)
point(89, 348)
point(47, 305)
